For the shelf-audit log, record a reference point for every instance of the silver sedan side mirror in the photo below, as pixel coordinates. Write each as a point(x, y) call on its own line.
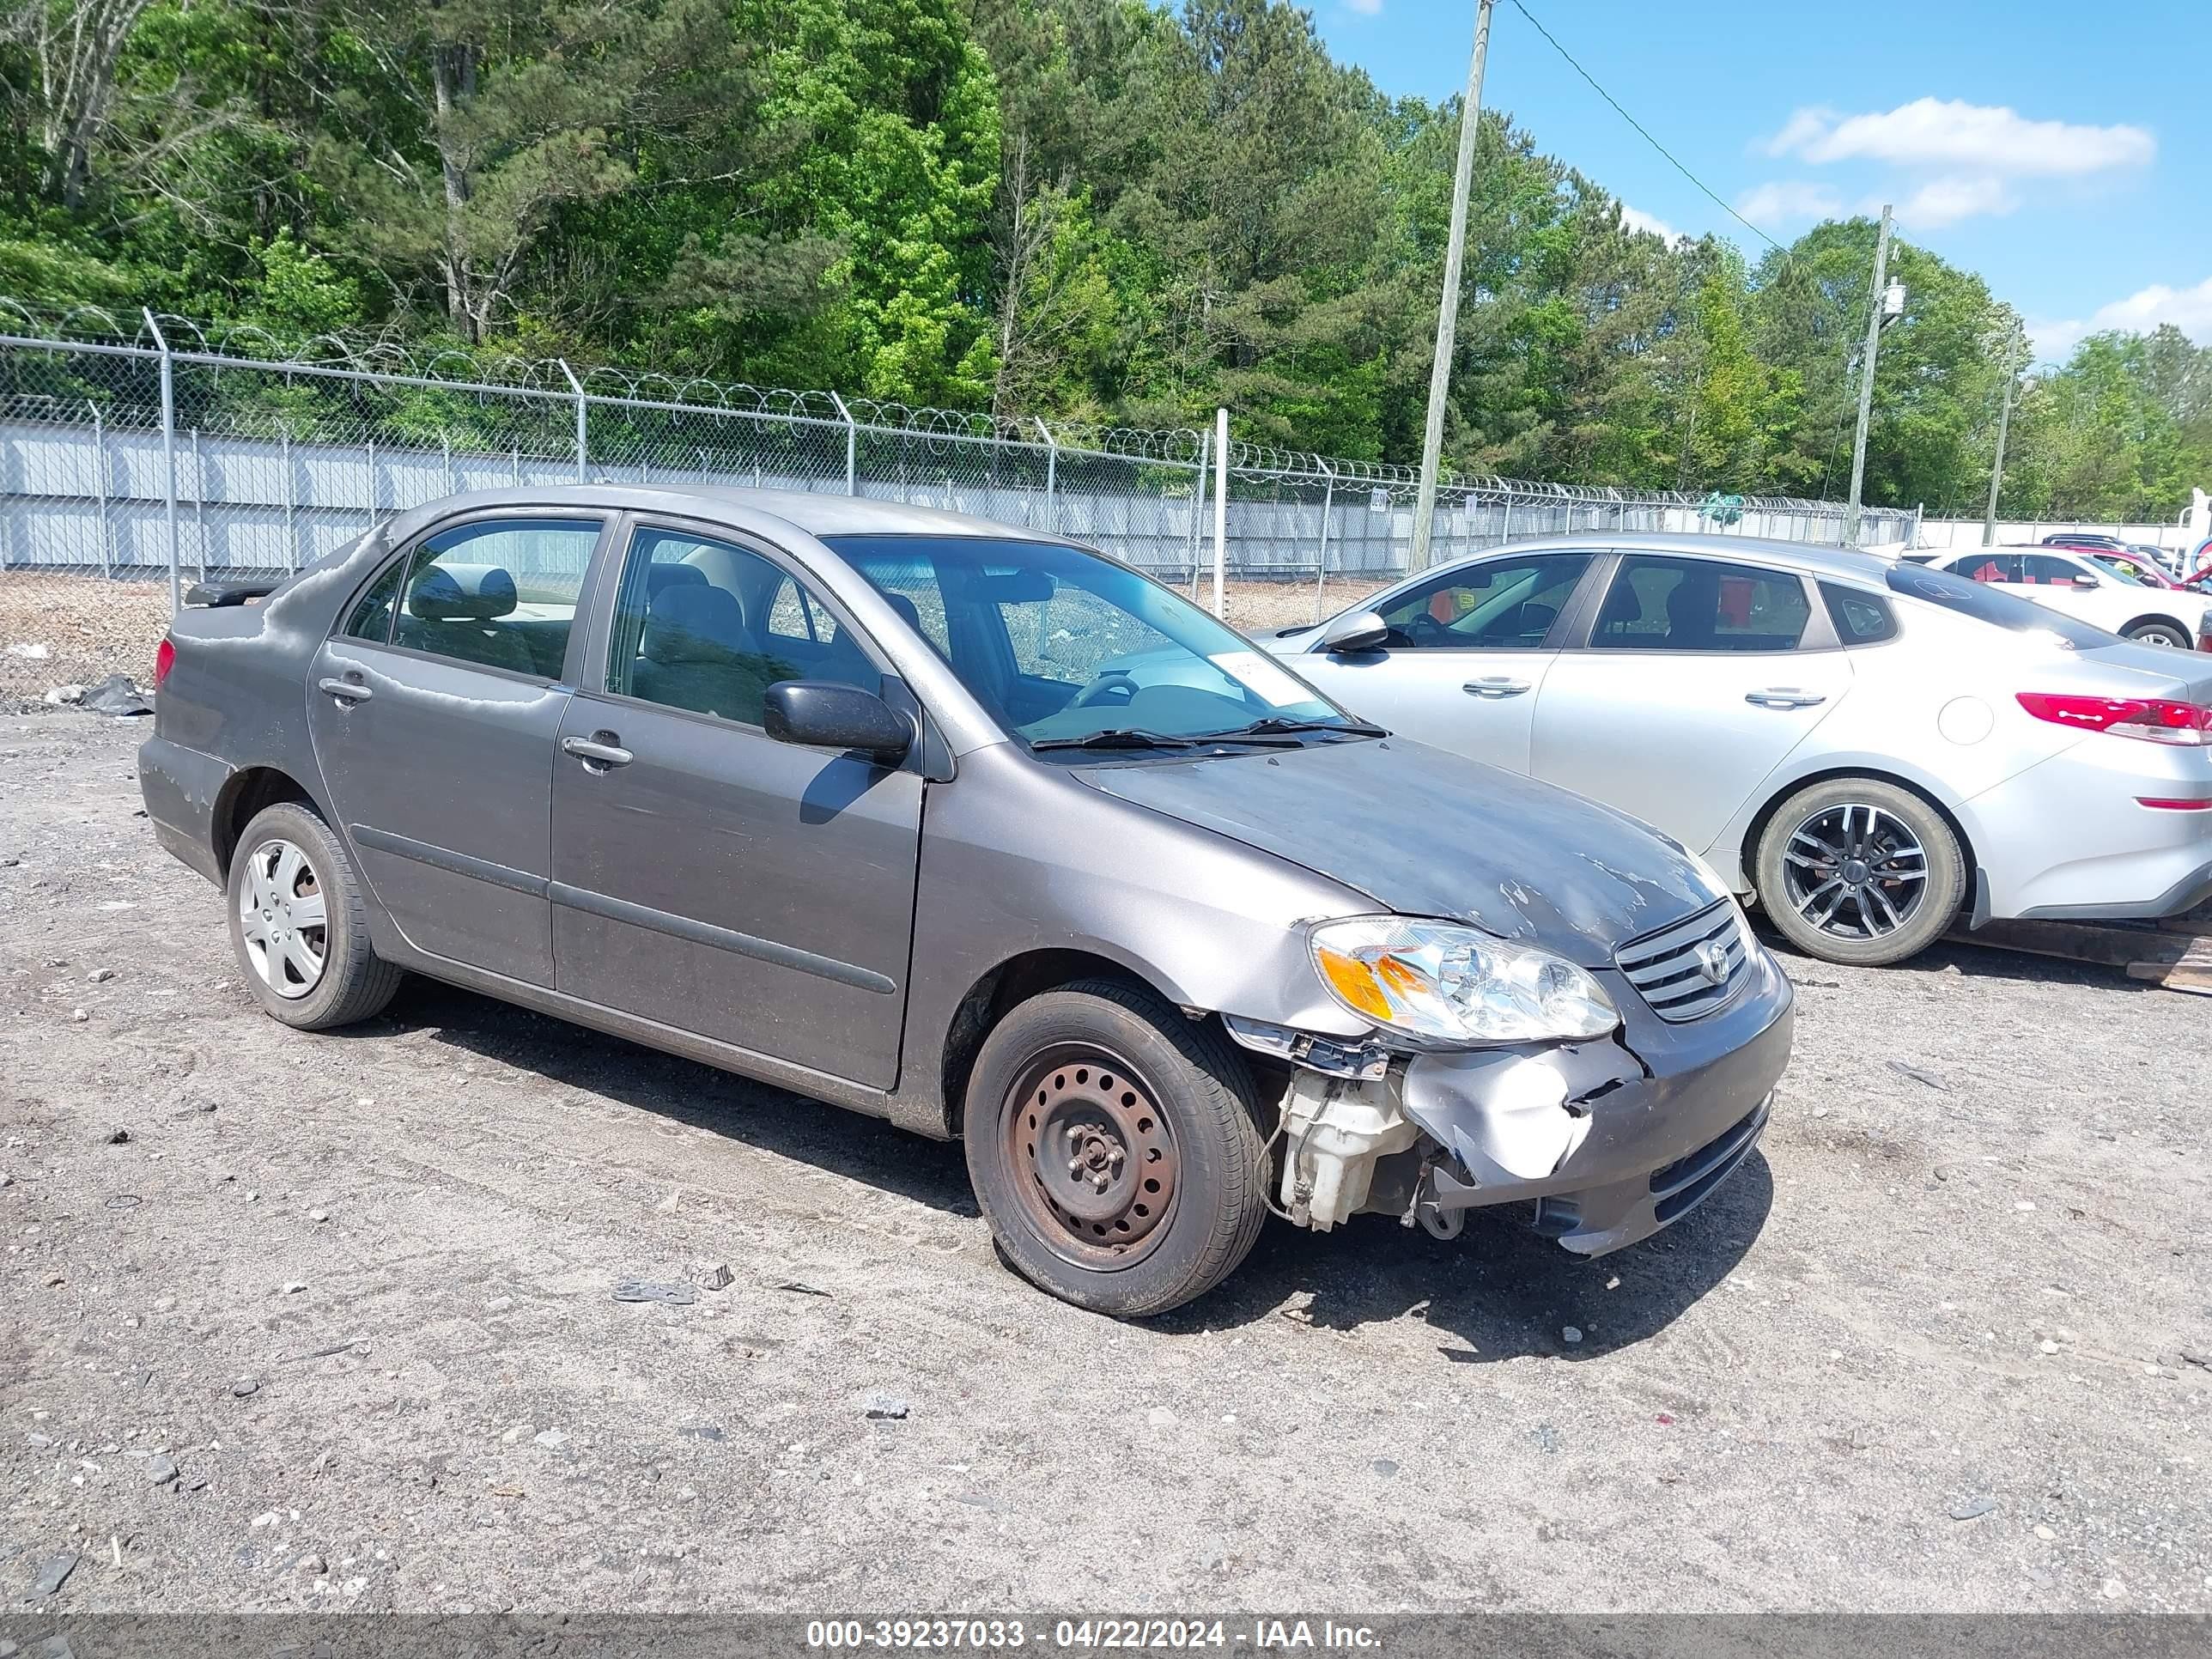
point(1355, 630)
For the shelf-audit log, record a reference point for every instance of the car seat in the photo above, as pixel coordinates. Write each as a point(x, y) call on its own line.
point(447, 608)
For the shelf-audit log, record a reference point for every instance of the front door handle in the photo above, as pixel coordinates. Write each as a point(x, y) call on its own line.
point(346, 691)
point(1497, 685)
point(599, 752)
point(1784, 697)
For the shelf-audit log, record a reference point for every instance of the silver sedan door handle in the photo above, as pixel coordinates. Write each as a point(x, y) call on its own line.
point(597, 755)
point(1784, 697)
point(345, 691)
point(1499, 685)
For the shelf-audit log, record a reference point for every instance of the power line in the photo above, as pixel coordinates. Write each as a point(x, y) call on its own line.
point(1646, 132)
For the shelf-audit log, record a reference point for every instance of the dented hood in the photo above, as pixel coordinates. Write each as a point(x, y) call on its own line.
point(1428, 834)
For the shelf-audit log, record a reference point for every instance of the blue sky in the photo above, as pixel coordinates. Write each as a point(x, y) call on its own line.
point(2063, 151)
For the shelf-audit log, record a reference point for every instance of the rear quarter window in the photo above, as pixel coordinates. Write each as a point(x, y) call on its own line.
point(371, 615)
point(1861, 618)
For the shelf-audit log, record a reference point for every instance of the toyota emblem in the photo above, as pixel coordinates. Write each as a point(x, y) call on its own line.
point(1713, 963)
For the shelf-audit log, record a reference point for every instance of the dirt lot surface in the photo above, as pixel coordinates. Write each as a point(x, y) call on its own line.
point(1932, 1349)
point(73, 630)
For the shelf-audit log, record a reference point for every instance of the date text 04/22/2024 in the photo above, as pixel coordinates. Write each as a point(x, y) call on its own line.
point(1261, 1635)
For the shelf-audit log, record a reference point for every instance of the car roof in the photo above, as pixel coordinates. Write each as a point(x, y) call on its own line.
point(816, 515)
point(1848, 562)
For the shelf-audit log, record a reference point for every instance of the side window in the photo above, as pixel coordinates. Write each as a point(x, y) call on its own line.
point(1987, 566)
point(500, 594)
point(1659, 603)
point(2044, 571)
point(707, 627)
point(371, 615)
point(797, 620)
point(1505, 604)
point(1860, 618)
point(910, 585)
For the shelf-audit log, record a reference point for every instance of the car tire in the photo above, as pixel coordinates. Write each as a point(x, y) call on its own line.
point(285, 861)
point(1834, 840)
point(1152, 1187)
point(2156, 633)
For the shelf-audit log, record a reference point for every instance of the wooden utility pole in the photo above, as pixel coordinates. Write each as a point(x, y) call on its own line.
point(2004, 429)
point(1432, 436)
point(1866, 379)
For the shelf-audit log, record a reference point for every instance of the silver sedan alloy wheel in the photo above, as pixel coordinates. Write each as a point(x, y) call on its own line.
point(283, 919)
point(1855, 870)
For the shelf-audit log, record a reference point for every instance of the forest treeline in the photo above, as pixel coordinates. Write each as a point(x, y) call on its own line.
point(1091, 209)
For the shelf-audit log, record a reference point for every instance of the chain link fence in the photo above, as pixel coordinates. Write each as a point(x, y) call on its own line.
point(145, 446)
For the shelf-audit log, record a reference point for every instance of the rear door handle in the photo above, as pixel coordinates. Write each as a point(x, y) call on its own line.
point(345, 691)
point(1496, 686)
point(1784, 697)
point(598, 751)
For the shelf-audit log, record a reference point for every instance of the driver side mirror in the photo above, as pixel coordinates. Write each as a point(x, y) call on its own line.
point(825, 715)
point(1357, 630)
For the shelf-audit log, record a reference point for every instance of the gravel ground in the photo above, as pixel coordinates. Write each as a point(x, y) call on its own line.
point(291, 1321)
point(73, 630)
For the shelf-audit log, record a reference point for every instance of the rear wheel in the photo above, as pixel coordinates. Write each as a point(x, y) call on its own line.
point(297, 924)
point(1113, 1150)
point(1858, 871)
point(2156, 633)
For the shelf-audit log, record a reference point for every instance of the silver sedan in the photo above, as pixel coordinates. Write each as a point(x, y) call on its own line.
point(1872, 750)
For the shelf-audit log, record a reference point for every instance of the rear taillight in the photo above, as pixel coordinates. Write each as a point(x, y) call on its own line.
point(165, 658)
point(2152, 720)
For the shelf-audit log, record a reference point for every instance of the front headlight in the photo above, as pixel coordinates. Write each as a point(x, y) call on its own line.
point(1457, 984)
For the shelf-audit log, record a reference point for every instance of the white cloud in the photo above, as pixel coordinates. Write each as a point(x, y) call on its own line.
point(1801, 129)
point(2054, 343)
point(1930, 132)
point(2189, 309)
point(1789, 201)
point(1636, 219)
point(1942, 202)
point(1365, 8)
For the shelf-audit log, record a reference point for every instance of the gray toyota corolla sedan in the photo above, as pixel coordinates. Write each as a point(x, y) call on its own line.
point(851, 798)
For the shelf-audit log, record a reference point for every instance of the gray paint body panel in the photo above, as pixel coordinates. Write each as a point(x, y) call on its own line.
point(1427, 833)
point(777, 886)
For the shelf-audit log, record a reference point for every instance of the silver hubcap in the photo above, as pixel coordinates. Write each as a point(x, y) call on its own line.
point(1855, 871)
point(281, 918)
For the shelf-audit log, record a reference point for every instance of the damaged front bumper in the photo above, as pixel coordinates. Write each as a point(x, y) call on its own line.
point(1608, 1140)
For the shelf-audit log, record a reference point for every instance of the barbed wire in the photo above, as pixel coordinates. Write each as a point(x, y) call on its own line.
point(387, 354)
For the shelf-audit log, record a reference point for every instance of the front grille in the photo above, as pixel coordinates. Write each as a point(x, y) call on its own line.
point(1669, 968)
point(1688, 1182)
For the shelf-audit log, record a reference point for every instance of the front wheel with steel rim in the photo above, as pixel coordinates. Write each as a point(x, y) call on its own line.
point(1113, 1147)
point(1855, 870)
point(297, 924)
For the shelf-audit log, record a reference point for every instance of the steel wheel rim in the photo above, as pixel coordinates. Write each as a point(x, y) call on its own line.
point(1092, 1157)
point(283, 919)
point(1855, 871)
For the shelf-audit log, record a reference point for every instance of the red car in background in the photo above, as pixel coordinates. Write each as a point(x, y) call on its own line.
point(2134, 565)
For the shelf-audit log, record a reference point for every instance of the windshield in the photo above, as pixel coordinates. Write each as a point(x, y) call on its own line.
point(1061, 645)
point(1984, 603)
point(2120, 567)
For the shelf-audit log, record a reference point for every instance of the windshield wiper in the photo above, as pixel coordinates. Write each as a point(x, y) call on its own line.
point(1119, 737)
point(1272, 724)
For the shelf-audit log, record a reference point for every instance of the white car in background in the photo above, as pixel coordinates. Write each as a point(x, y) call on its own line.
point(2077, 585)
point(1874, 749)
